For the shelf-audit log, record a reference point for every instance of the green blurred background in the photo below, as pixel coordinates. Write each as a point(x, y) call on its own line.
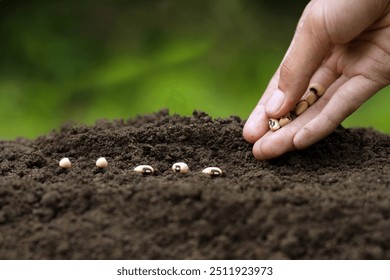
point(79, 61)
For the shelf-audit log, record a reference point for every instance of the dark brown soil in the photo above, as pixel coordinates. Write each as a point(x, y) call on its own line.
point(331, 201)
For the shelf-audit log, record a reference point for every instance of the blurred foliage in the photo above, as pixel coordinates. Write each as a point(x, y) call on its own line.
point(79, 61)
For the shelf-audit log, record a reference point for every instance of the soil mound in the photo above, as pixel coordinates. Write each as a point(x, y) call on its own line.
point(331, 201)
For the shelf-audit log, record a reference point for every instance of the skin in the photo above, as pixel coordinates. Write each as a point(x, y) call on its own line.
point(343, 45)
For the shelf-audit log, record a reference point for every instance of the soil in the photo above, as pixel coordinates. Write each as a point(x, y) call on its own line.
point(331, 201)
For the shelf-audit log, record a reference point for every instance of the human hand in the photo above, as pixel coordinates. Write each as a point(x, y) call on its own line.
point(343, 45)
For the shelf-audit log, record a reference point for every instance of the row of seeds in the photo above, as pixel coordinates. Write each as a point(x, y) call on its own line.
point(315, 92)
point(179, 167)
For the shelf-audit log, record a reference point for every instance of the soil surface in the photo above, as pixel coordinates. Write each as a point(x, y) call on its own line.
point(331, 201)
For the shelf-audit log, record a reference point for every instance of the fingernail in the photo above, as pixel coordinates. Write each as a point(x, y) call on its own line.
point(276, 101)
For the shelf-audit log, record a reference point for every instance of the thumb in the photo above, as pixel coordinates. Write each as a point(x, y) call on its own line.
point(306, 53)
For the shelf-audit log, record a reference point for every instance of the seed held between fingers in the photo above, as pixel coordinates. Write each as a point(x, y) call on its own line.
point(212, 171)
point(144, 169)
point(311, 98)
point(273, 124)
point(102, 162)
point(301, 107)
point(65, 163)
point(285, 120)
point(180, 167)
point(317, 89)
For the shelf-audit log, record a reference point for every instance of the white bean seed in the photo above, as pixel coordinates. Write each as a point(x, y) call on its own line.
point(180, 167)
point(144, 169)
point(65, 163)
point(284, 120)
point(311, 98)
point(301, 107)
point(212, 171)
point(317, 89)
point(273, 124)
point(102, 162)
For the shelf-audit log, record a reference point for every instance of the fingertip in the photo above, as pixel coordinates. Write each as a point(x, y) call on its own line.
point(253, 131)
point(262, 150)
point(256, 126)
point(303, 138)
point(272, 145)
point(257, 152)
point(249, 134)
point(312, 133)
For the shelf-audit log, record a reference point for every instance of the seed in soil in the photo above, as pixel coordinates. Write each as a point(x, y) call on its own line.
point(301, 107)
point(317, 89)
point(311, 98)
point(65, 163)
point(285, 120)
point(144, 169)
point(102, 162)
point(273, 124)
point(212, 171)
point(180, 167)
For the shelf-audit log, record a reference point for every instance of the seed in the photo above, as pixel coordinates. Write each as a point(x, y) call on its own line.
point(273, 124)
point(102, 162)
point(65, 163)
point(301, 107)
point(311, 98)
point(144, 169)
point(212, 171)
point(285, 120)
point(180, 167)
point(317, 89)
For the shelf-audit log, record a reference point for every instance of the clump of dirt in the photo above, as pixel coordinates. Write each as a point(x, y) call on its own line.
point(331, 201)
